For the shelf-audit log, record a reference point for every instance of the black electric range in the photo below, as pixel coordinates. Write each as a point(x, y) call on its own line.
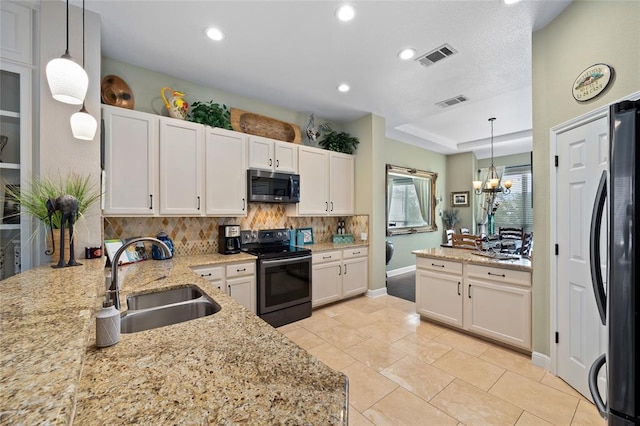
point(283, 276)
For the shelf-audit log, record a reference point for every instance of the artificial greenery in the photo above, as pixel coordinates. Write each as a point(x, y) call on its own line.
point(33, 199)
point(210, 114)
point(450, 217)
point(339, 142)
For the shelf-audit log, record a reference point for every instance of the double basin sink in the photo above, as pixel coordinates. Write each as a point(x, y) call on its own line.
point(167, 307)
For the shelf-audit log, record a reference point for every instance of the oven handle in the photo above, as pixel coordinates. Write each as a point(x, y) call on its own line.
point(288, 260)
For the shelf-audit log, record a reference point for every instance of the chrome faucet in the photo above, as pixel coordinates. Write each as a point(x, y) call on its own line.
point(113, 293)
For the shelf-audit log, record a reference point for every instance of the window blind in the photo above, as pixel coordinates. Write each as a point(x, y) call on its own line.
point(516, 208)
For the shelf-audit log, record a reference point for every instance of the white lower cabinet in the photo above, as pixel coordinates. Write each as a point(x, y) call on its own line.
point(238, 280)
point(338, 274)
point(498, 304)
point(489, 301)
point(439, 290)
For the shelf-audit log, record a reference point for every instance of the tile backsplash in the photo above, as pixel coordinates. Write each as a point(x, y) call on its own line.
point(199, 235)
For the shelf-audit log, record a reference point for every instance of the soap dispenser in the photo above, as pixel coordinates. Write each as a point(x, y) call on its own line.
point(107, 325)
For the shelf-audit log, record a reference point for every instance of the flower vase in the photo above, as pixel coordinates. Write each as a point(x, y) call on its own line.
point(491, 225)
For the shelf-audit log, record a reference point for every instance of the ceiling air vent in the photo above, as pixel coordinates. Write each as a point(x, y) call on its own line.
point(436, 55)
point(453, 101)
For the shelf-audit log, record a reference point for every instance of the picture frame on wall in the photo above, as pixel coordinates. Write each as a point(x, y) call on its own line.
point(460, 199)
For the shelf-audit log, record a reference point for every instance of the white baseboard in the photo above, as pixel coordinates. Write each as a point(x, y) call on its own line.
point(400, 271)
point(541, 360)
point(377, 292)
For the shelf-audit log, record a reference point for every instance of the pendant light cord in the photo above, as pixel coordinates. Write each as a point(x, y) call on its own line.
point(67, 51)
point(83, 41)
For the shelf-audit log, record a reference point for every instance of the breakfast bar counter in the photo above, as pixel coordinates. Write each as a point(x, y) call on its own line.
point(229, 367)
point(469, 256)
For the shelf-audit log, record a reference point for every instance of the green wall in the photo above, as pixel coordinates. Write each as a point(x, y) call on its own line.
point(461, 174)
point(146, 86)
point(585, 33)
point(405, 155)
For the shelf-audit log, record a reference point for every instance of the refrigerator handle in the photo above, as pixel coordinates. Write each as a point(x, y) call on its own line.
point(593, 385)
point(594, 248)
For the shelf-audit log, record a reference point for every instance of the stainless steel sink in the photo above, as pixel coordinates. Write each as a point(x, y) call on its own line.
point(162, 298)
point(148, 311)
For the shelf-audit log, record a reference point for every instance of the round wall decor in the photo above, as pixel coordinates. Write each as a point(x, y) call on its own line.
point(592, 82)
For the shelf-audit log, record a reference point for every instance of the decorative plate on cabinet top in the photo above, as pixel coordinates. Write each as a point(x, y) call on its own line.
point(116, 92)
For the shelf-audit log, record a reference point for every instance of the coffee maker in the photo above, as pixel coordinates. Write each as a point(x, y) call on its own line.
point(229, 239)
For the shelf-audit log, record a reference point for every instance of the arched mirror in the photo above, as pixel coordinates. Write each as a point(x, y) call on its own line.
point(410, 199)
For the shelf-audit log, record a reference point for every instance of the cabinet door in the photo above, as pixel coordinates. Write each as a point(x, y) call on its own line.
point(341, 184)
point(261, 153)
point(131, 162)
point(499, 311)
point(439, 296)
point(354, 276)
point(214, 275)
point(243, 291)
point(327, 283)
point(313, 164)
point(286, 154)
point(226, 172)
point(181, 167)
point(16, 40)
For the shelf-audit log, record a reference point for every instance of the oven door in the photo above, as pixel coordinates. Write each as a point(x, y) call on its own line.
point(283, 283)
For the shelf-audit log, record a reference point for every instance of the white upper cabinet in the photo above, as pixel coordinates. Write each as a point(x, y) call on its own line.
point(341, 184)
point(326, 183)
point(272, 155)
point(181, 167)
point(15, 32)
point(226, 172)
point(131, 162)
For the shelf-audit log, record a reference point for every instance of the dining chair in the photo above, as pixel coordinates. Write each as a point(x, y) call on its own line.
point(450, 233)
point(464, 230)
point(526, 249)
point(465, 241)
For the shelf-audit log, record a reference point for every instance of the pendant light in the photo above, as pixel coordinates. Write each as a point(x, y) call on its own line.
point(83, 125)
point(491, 184)
point(67, 80)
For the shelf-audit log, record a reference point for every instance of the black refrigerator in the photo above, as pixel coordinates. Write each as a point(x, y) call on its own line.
point(619, 302)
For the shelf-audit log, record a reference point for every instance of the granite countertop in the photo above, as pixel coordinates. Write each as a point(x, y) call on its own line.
point(319, 247)
point(229, 367)
point(520, 264)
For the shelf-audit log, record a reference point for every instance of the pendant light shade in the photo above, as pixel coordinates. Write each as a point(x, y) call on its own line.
point(83, 125)
point(67, 80)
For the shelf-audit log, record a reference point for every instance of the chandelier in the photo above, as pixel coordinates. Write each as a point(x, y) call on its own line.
point(491, 185)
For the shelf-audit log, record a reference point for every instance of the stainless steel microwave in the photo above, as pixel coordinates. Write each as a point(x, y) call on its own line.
point(270, 187)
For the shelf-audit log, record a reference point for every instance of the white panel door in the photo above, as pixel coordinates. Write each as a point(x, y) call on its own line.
point(243, 291)
point(327, 283)
point(181, 167)
point(354, 276)
point(261, 153)
point(582, 154)
point(226, 172)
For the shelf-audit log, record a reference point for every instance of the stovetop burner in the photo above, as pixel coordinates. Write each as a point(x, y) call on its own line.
point(270, 243)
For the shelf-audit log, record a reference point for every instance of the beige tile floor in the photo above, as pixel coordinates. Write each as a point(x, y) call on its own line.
point(404, 370)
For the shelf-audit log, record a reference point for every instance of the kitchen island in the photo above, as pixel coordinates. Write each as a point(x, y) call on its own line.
point(481, 295)
point(229, 367)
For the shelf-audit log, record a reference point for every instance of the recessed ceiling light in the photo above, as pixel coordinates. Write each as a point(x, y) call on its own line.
point(346, 13)
point(511, 1)
point(344, 87)
point(407, 54)
point(214, 33)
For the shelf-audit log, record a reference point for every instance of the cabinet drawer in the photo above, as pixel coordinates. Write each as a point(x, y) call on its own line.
point(499, 275)
point(241, 269)
point(440, 265)
point(326, 256)
point(209, 273)
point(355, 252)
